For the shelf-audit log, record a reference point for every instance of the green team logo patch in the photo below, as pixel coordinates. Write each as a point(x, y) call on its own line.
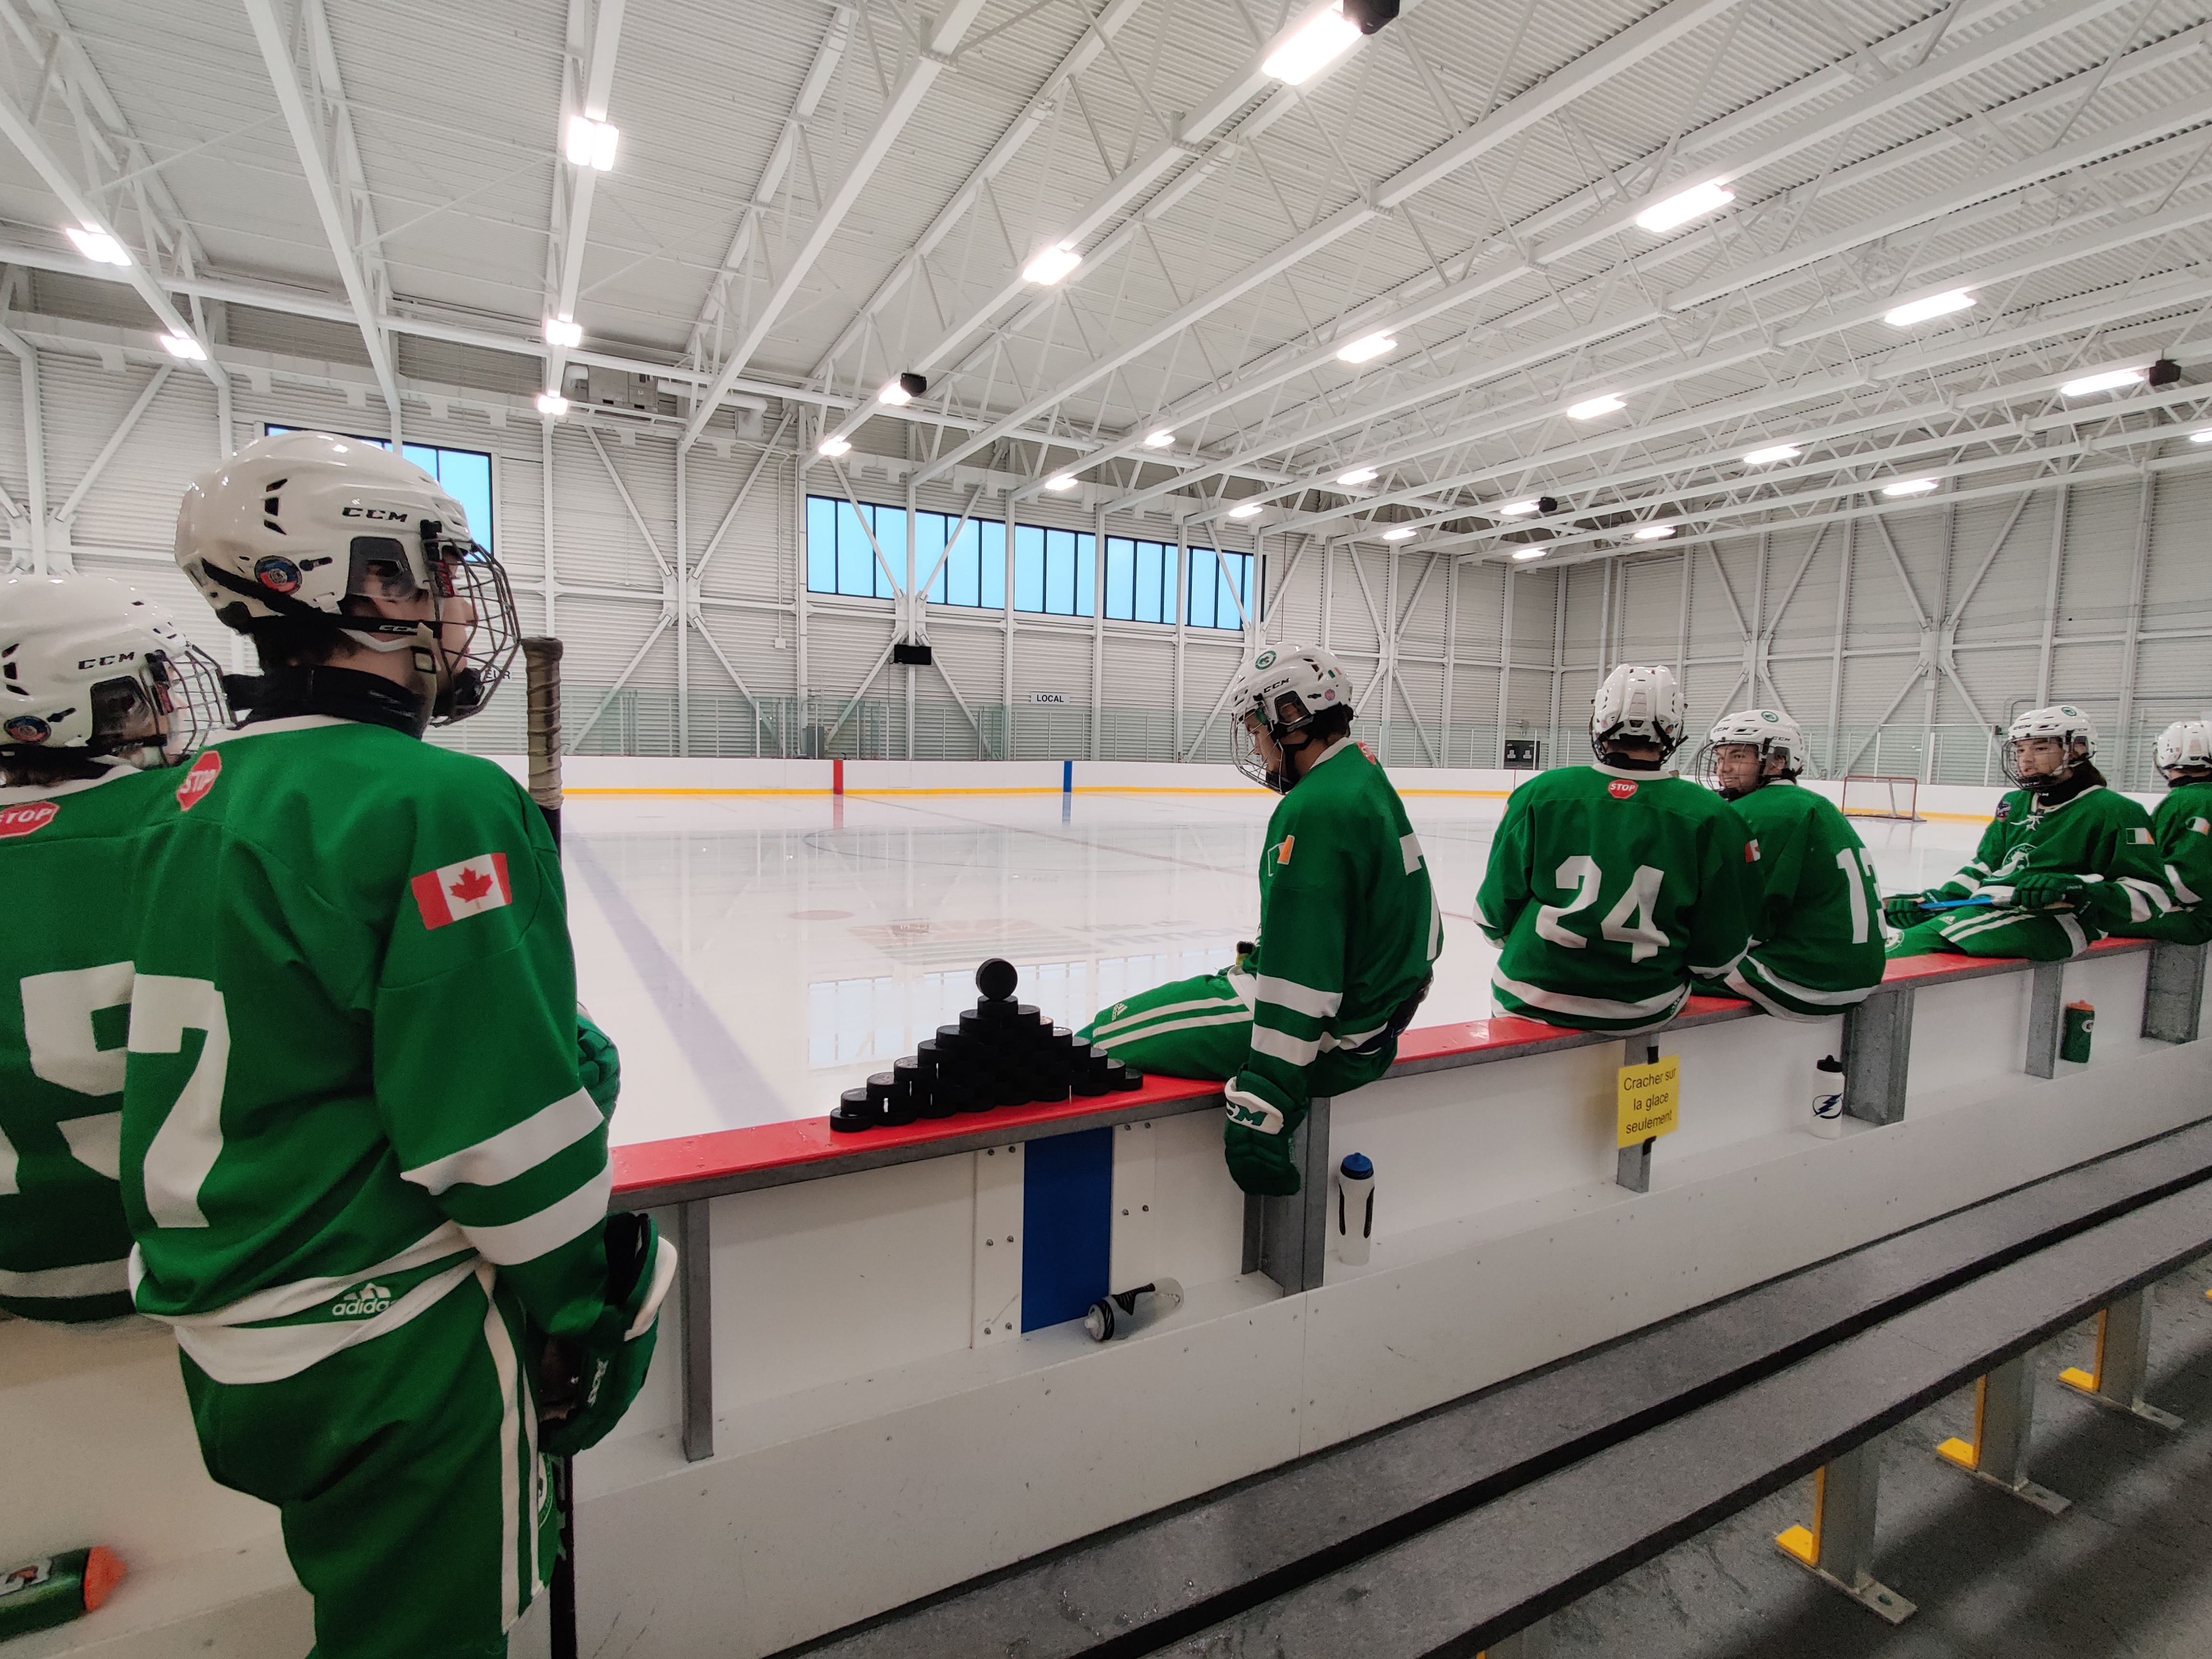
point(1250, 1116)
point(363, 1301)
point(1265, 659)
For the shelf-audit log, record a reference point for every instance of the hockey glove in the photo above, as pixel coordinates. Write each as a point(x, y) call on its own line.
point(1903, 910)
point(1255, 1142)
point(598, 1062)
point(2048, 890)
point(586, 1387)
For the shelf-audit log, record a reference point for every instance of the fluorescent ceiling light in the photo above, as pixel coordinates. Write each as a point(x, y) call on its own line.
point(2110, 380)
point(2204, 437)
point(1910, 487)
point(1357, 475)
point(1530, 552)
point(1768, 457)
point(183, 345)
point(1516, 509)
point(1590, 408)
point(1060, 481)
point(560, 331)
point(1050, 266)
point(591, 144)
point(894, 394)
point(553, 404)
point(1938, 305)
point(1366, 349)
point(1251, 509)
point(1655, 532)
point(1313, 48)
point(833, 446)
point(97, 245)
point(1403, 532)
point(1159, 440)
point(1695, 203)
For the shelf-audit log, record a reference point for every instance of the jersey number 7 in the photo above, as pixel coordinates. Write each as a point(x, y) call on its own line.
point(58, 1029)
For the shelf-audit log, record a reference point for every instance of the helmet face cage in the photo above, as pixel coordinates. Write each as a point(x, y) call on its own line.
point(464, 570)
point(1704, 764)
point(1244, 749)
point(156, 716)
point(2067, 724)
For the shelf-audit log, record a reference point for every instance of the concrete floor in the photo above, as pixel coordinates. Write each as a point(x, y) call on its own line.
point(2126, 1572)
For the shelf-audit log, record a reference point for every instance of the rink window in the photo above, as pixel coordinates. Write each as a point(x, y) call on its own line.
point(842, 558)
point(1142, 577)
point(1220, 588)
point(467, 474)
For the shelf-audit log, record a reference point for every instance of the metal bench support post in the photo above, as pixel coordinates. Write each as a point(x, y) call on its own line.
point(694, 1222)
point(2173, 995)
point(2123, 1362)
point(1287, 1238)
point(1877, 1055)
point(1838, 1547)
point(1632, 1168)
point(2046, 1012)
point(2004, 1411)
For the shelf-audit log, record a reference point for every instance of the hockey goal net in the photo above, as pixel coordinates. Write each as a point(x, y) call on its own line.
point(1883, 798)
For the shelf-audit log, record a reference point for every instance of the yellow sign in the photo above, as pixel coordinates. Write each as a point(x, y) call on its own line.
point(1651, 1100)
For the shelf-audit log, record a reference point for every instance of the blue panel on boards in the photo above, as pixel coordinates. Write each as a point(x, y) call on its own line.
point(1067, 1226)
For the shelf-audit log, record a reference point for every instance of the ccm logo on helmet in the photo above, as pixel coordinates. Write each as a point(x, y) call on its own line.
point(25, 820)
point(382, 514)
point(201, 779)
point(107, 661)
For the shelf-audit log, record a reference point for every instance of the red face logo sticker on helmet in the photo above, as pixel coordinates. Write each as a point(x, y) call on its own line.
point(1620, 788)
point(25, 819)
point(279, 575)
point(28, 728)
point(199, 779)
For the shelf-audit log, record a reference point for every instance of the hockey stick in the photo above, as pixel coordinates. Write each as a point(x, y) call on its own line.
point(542, 664)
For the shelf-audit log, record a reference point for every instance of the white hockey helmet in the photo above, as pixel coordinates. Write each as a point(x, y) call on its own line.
point(88, 665)
point(296, 525)
point(1773, 733)
point(2062, 720)
point(1286, 686)
point(2185, 746)
point(1637, 705)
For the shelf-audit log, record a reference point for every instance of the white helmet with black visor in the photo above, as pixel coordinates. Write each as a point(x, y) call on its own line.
point(311, 529)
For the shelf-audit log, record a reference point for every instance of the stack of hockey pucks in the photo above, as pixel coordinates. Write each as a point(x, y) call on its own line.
point(1001, 1053)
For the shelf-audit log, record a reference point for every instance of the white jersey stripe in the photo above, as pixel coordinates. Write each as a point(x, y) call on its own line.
point(1751, 963)
point(1299, 999)
point(2181, 889)
point(1231, 1017)
point(87, 1278)
point(514, 1151)
point(550, 1228)
point(1664, 1003)
point(269, 1353)
point(511, 1598)
point(1281, 1045)
point(1111, 1027)
point(283, 1301)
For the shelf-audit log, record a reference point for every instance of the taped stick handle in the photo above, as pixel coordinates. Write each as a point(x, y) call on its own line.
point(541, 658)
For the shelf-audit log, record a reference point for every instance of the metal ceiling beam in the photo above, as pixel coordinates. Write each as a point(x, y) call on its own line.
point(906, 96)
point(16, 125)
point(827, 56)
point(1623, 51)
point(342, 207)
point(587, 75)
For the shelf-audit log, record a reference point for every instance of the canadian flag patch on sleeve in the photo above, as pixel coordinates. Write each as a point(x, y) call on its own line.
point(461, 891)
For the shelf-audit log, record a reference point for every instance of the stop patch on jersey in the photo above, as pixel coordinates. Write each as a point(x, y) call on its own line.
point(461, 891)
point(27, 819)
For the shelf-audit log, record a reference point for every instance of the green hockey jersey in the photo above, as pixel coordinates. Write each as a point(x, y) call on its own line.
point(1816, 941)
point(2183, 825)
point(1348, 928)
point(2099, 834)
point(64, 962)
point(1607, 889)
point(353, 1068)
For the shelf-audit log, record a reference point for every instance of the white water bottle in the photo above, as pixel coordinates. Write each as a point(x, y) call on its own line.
point(1828, 1097)
point(1355, 1209)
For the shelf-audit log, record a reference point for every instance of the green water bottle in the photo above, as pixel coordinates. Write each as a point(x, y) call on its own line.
point(56, 1588)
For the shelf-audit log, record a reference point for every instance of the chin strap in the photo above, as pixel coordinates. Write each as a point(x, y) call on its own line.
point(2056, 792)
point(346, 693)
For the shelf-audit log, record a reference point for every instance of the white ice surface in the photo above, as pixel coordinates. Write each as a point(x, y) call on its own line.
point(753, 955)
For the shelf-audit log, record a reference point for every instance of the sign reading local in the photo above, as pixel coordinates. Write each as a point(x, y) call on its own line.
point(1650, 1098)
point(1048, 697)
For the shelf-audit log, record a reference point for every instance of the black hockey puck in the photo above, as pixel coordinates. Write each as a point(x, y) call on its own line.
point(997, 978)
point(1120, 1079)
point(853, 1114)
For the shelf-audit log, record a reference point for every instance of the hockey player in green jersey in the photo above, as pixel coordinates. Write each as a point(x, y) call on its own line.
point(2065, 861)
point(99, 694)
point(1349, 929)
point(2183, 824)
point(1612, 885)
point(367, 1175)
point(1816, 940)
